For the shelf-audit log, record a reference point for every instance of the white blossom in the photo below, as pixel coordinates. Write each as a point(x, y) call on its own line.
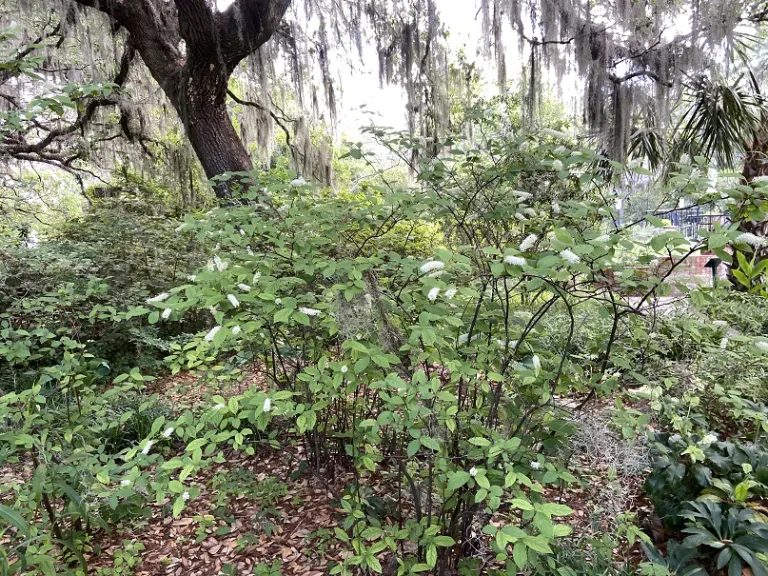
point(450, 293)
point(557, 165)
point(147, 447)
point(191, 277)
point(267, 405)
point(569, 257)
point(751, 239)
point(528, 243)
point(536, 363)
point(278, 301)
point(166, 314)
point(431, 266)
point(724, 343)
point(561, 151)
point(244, 287)
point(555, 207)
point(167, 432)
point(159, 298)
point(719, 323)
point(211, 333)
point(218, 407)
point(125, 482)
point(762, 346)
point(310, 311)
point(236, 330)
point(185, 495)
point(433, 294)
point(256, 277)
point(219, 264)
point(605, 238)
point(554, 133)
point(344, 369)
point(514, 260)
point(233, 300)
point(473, 471)
point(535, 465)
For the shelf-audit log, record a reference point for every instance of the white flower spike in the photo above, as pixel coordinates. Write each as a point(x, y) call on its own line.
point(212, 333)
point(267, 405)
point(433, 294)
point(159, 298)
point(569, 257)
point(431, 266)
point(310, 311)
point(473, 471)
point(514, 260)
point(528, 243)
point(233, 300)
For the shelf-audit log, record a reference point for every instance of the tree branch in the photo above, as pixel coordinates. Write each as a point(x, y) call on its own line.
point(246, 25)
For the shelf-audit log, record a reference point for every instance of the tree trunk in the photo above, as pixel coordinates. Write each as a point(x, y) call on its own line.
point(200, 100)
point(191, 50)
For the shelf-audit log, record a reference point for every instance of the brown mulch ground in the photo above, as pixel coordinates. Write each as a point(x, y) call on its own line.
point(190, 545)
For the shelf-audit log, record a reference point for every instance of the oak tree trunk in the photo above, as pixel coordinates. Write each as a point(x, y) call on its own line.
point(191, 50)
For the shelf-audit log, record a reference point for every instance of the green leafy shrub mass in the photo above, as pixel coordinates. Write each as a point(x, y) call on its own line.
point(434, 339)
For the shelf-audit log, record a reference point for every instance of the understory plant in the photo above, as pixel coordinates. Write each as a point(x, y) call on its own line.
point(433, 380)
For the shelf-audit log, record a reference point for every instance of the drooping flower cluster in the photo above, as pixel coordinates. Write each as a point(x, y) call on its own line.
point(514, 260)
point(310, 311)
point(528, 243)
point(433, 294)
point(244, 287)
point(159, 298)
point(569, 257)
point(212, 333)
point(750, 239)
point(450, 293)
point(431, 266)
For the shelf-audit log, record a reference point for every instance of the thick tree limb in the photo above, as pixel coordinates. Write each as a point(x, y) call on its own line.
point(246, 25)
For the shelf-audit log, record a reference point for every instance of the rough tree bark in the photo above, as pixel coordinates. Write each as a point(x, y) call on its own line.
point(191, 50)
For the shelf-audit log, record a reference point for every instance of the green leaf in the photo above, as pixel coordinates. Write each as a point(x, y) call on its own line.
point(430, 443)
point(178, 506)
point(552, 509)
point(458, 479)
point(520, 555)
point(431, 555)
point(522, 504)
point(10, 516)
point(538, 544)
point(413, 447)
point(479, 441)
point(444, 541)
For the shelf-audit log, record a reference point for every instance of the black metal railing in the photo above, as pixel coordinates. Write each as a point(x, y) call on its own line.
point(691, 219)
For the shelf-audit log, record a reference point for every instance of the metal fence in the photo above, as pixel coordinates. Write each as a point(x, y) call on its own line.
point(690, 220)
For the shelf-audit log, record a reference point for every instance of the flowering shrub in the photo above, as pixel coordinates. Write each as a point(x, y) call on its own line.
point(434, 380)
